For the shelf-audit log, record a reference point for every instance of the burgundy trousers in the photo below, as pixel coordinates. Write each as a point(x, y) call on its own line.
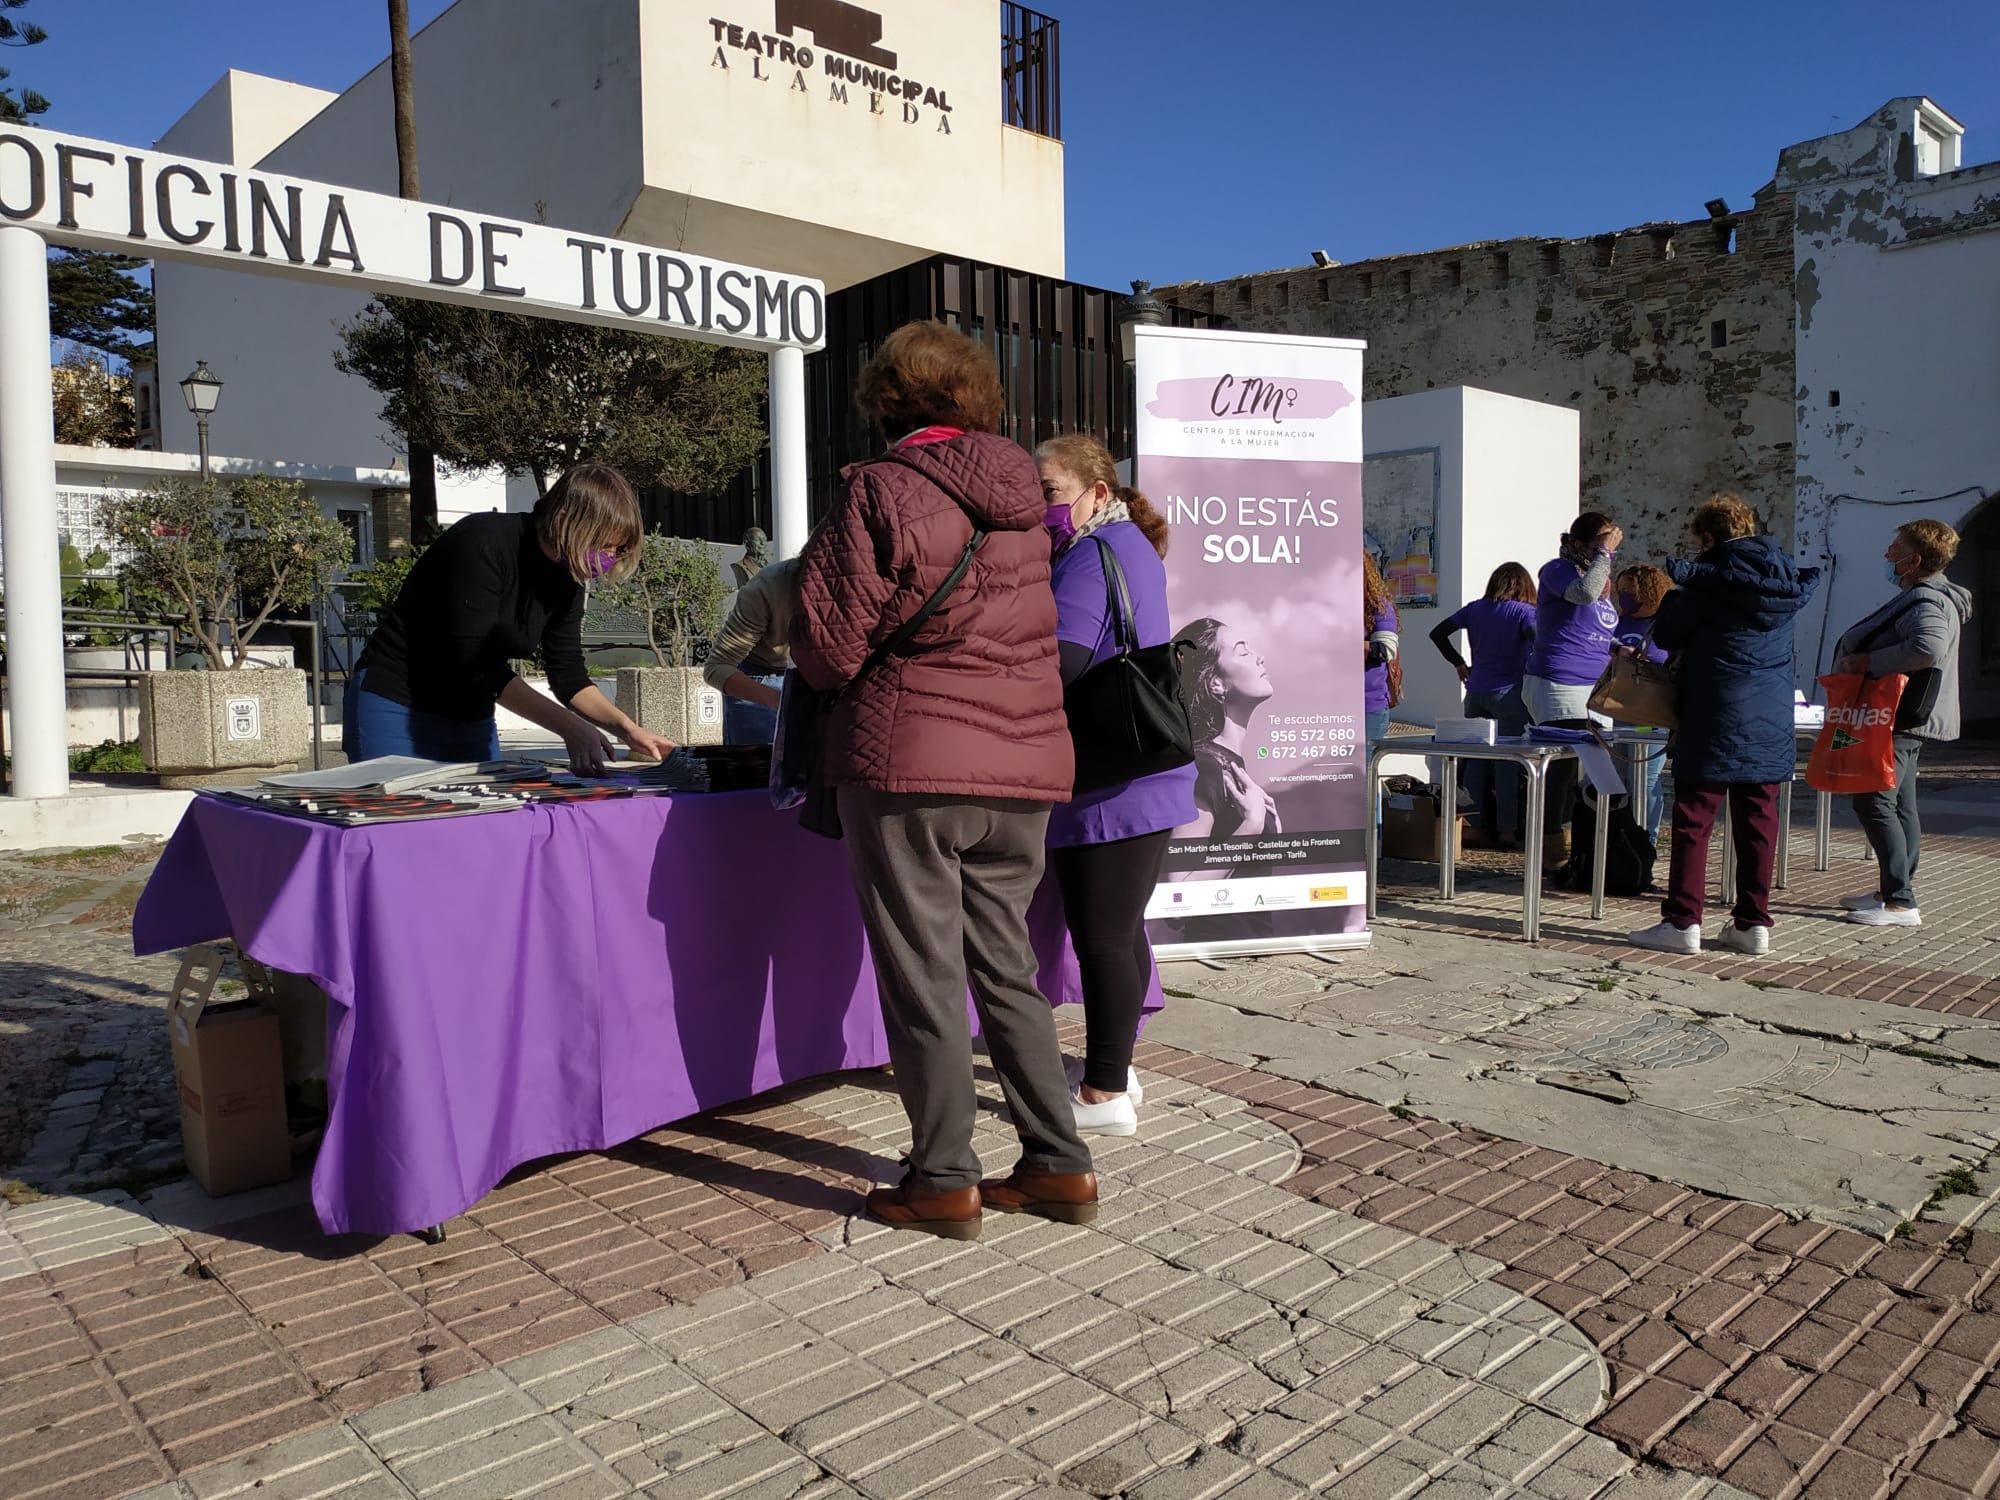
point(1754, 811)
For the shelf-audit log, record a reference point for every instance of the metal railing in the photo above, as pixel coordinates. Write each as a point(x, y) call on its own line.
point(131, 629)
point(1030, 70)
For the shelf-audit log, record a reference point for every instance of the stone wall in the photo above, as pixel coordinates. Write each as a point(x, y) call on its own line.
point(1673, 341)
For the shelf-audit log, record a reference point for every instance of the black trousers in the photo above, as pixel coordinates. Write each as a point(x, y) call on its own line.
point(1105, 888)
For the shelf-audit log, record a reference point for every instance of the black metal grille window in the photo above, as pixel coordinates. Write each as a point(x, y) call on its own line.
point(1030, 70)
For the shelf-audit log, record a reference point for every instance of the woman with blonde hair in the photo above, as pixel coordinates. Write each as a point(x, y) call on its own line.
point(1917, 634)
point(1107, 845)
point(494, 589)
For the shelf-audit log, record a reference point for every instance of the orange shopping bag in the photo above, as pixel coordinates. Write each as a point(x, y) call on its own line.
point(1856, 749)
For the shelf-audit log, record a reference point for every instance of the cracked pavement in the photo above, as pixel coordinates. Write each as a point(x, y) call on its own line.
point(1841, 1110)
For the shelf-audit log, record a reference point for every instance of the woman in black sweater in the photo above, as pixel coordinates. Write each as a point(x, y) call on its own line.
point(492, 590)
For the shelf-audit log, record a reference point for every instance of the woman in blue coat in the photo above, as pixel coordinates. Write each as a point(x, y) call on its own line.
point(1728, 626)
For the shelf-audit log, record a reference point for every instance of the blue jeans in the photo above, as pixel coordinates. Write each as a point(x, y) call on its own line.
point(374, 726)
point(1494, 786)
point(745, 723)
point(1650, 769)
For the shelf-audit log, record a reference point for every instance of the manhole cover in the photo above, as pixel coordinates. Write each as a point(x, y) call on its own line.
point(1649, 1042)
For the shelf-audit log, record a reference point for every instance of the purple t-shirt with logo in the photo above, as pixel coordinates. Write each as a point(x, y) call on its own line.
point(1501, 631)
point(1572, 641)
point(1632, 631)
point(1154, 803)
point(1376, 679)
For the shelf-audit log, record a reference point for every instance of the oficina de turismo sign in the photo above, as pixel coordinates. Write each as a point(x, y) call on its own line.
point(111, 197)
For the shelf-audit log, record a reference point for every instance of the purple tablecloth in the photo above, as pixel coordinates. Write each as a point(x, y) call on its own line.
point(554, 979)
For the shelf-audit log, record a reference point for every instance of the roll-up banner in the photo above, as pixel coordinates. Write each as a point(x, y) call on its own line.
point(1250, 445)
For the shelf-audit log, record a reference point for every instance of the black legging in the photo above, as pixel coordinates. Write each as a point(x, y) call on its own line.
point(1105, 888)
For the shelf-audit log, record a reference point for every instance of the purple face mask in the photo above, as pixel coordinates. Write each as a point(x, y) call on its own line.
point(1060, 525)
point(601, 563)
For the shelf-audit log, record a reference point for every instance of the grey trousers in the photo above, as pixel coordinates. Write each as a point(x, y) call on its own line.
point(1894, 831)
point(944, 885)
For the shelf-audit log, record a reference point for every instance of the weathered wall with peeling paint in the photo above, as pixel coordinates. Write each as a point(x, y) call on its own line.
point(1672, 341)
point(1898, 340)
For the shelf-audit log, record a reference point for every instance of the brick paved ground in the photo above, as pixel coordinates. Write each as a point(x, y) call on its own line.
point(589, 1330)
point(1951, 964)
point(1787, 1357)
point(1290, 1288)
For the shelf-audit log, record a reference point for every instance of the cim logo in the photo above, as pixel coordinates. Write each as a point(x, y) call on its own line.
point(1272, 399)
point(838, 27)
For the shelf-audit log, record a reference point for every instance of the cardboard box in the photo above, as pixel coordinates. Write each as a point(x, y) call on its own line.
point(1410, 828)
point(229, 1072)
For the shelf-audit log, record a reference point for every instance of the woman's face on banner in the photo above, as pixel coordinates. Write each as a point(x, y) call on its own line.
point(1239, 668)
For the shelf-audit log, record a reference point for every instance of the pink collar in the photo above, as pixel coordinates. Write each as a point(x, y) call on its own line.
point(926, 435)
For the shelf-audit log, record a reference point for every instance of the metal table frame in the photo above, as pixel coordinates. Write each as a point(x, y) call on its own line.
point(1534, 757)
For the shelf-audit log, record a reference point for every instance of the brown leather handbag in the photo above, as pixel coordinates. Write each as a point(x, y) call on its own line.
point(1635, 690)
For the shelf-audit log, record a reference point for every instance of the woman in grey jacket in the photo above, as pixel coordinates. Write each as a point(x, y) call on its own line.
point(1916, 634)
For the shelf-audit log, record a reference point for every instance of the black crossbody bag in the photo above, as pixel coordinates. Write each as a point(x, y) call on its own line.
point(1128, 715)
point(807, 736)
point(1922, 687)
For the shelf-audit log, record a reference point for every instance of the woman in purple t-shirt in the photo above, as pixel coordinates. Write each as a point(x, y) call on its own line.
point(1107, 846)
point(1575, 621)
point(1501, 628)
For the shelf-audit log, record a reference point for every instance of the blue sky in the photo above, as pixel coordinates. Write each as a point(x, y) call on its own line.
point(1210, 139)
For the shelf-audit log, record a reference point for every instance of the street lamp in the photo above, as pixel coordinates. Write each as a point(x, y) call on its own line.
point(201, 390)
point(1142, 310)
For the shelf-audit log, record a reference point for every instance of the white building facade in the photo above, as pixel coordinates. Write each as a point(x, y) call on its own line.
point(811, 137)
point(1898, 347)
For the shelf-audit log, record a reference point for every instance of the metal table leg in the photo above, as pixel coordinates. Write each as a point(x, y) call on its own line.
point(1371, 833)
point(1785, 836)
point(1726, 825)
point(433, 1235)
point(1447, 826)
point(1823, 832)
point(1531, 890)
point(1600, 851)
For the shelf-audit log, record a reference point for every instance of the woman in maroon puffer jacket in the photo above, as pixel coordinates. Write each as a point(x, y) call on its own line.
point(947, 758)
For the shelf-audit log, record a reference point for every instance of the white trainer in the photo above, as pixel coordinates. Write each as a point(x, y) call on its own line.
point(1887, 916)
point(1112, 1117)
point(1664, 937)
point(1862, 900)
point(1073, 1071)
point(1755, 941)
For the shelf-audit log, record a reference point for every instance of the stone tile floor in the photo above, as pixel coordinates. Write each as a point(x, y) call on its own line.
point(1291, 1288)
point(1212, 1334)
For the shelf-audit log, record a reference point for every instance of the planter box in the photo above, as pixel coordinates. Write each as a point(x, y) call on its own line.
point(673, 701)
point(223, 728)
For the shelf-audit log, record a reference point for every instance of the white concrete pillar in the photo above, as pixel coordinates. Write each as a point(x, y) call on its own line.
point(791, 510)
point(28, 535)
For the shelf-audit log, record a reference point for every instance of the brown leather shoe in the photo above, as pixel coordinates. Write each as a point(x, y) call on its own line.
point(1066, 1197)
point(952, 1215)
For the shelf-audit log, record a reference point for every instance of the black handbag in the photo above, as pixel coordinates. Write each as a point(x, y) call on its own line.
point(1128, 714)
point(1923, 687)
point(807, 736)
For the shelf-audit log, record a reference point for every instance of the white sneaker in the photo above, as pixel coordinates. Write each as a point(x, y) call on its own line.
point(1112, 1117)
point(1887, 916)
point(1755, 941)
point(1073, 1071)
point(1664, 937)
point(1862, 900)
